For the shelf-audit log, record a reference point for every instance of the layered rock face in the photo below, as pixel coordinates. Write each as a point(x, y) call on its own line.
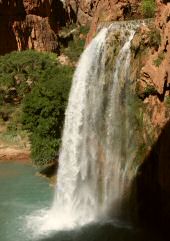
point(98, 11)
point(151, 73)
point(30, 24)
point(87, 11)
point(151, 69)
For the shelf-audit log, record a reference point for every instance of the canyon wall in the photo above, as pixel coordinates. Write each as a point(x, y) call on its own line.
point(94, 12)
point(30, 24)
point(35, 24)
point(151, 77)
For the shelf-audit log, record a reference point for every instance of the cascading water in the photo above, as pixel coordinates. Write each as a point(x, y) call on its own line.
point(97, 149)
point(93, 163)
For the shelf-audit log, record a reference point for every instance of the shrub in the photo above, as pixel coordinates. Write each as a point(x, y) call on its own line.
point(149, 90)
point(19, 71)
point(148, 8)
point(167, 101)
point(157, 62)
point(75, 45)
point(43, 113)
point(34, 90)
point(74, 49)
point(154, 38)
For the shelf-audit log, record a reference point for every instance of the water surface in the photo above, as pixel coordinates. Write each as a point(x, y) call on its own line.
point(21, 193)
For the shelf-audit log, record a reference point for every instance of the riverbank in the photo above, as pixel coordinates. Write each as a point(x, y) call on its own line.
point(9, 153)
point(14, 146)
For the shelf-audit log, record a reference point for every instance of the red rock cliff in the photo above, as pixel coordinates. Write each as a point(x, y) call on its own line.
point(94, 12)
point(151, 59)
point(151, 72)
point(30, 24)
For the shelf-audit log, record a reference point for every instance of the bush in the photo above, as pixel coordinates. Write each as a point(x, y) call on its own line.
point(154, 38)
point(148, 8)
point(157, 62)
point(43, 113)
point(167, 101)
point(44, 150)
point(76, 45)
point(150, 90)
point(74, 49)
point(34, 90)
point(19, 71)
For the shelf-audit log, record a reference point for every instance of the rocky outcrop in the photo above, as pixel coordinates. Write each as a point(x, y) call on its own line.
point(113, 11)
point(30, 24)
point(86, 11)
point(151, 66)
point(151, 75)
point(98, 11)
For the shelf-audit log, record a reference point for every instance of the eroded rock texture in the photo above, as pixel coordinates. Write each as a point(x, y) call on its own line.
point(30, 24)
point(151, 73)
point(151, 66)
point(97, 11)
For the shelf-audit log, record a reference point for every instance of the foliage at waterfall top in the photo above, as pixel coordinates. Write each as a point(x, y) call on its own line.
point(36, 86)
point(148, 8)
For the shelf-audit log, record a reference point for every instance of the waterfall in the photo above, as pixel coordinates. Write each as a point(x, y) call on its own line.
point(94, 160)
point(97, 146)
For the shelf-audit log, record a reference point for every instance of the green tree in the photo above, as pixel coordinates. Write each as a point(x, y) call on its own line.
point(20, 70)
point(43, 113)
point(34, 87)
